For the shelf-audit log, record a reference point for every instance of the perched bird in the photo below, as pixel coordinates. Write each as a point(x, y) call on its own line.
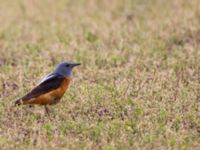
point(50, 89)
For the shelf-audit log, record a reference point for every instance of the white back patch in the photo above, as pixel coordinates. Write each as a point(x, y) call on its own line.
point(46, 78)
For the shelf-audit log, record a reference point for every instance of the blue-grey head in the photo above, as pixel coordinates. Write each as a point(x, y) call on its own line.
point(65, 68)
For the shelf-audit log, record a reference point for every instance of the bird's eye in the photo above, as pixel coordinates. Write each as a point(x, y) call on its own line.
point(67, 65)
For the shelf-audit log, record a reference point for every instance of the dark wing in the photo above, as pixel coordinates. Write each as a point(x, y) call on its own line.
point(52, 82)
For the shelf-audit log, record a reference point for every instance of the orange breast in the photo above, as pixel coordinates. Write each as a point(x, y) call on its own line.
point(52, 97)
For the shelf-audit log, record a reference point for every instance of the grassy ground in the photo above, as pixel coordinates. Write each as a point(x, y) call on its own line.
point(138, 86)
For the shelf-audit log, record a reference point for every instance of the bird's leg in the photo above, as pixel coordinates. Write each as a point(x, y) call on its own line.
point(46, 110)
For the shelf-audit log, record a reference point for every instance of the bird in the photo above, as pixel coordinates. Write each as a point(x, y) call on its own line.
point(51, 88)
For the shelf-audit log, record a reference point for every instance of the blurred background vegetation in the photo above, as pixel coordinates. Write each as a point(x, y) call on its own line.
point(138, 86)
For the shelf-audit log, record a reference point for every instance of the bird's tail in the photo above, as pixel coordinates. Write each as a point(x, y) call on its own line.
point(18, 102)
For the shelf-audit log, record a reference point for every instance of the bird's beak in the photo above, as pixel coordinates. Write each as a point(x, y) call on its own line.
point(76, 64)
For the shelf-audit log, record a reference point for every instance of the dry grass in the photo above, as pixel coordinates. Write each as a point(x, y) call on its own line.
point(138, 86)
